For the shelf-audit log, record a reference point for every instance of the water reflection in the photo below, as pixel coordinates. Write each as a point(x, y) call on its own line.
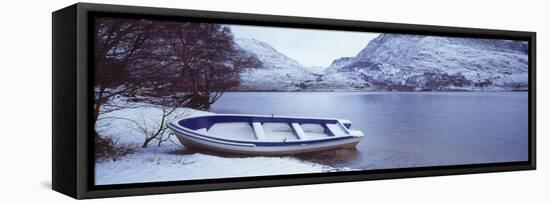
point(331, 157)
point(405, 129)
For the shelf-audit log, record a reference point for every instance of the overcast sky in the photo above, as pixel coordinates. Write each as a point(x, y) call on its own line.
point(310, 47)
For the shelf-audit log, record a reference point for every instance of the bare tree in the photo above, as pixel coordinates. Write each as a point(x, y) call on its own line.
point(158, 130)
point(155, 127)
point(190, 64)
point(209, 62)
point(129, 55)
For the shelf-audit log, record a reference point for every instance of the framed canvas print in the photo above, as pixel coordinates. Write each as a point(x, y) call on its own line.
point(155, 100)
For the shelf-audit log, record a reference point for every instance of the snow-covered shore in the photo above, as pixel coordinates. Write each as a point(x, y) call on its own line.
point(171, 161)
point(158, 166)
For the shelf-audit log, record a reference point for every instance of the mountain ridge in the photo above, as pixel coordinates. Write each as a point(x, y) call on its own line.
point(398, 62)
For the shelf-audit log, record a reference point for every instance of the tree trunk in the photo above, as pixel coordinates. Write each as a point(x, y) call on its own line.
point(96, 110)
point(146, 142)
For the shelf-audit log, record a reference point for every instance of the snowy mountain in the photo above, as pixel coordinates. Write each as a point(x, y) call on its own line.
point(278, 72)
point(338, 64)
point(413, 62)
point(397, 62)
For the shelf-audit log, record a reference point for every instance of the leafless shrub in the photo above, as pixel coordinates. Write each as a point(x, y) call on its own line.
point(108, 148)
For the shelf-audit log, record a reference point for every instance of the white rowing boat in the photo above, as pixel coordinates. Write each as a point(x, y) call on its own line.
point(265, 135)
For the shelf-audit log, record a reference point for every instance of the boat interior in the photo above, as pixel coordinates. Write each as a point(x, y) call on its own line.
point(264, 129)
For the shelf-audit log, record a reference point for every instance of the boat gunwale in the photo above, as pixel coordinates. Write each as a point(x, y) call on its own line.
point(262, 116)
point(185, 131)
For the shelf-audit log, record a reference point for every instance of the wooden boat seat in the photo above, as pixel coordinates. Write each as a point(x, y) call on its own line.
point(279, 131)
point(258, 130)
point(336, 129)
point(299, 131)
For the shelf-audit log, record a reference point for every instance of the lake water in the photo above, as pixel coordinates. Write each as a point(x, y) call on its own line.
point(405, 129)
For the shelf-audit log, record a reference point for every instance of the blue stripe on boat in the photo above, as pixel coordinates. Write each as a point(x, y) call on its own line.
point(208, 121)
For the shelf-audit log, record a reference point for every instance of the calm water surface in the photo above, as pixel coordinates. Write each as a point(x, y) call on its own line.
point(406, 129)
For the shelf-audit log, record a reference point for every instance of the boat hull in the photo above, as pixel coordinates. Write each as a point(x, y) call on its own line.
point(266, 150)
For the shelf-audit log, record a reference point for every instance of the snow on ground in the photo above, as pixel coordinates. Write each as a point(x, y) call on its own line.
point(156, 167)
point(171, 161)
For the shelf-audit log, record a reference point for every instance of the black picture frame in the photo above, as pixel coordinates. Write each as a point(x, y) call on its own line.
point(72, 98)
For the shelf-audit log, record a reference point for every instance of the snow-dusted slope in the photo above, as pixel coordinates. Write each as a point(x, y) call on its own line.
point(413, 62)
point(278, 72)
point(338, 64)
